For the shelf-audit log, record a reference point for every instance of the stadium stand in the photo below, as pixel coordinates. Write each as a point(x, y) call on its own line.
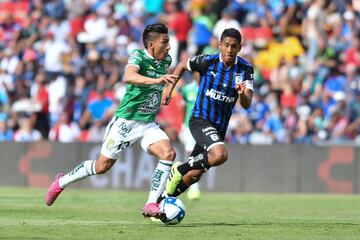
point(58, 58)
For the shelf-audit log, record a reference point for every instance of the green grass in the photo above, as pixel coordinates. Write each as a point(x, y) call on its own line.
point(100, 214)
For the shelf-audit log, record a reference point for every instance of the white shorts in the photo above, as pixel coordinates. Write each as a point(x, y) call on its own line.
point(121, 133)
point(186, 138)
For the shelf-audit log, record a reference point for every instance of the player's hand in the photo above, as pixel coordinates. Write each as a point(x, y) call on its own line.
point(166, 95)
point(240, 87)
point(168, 78)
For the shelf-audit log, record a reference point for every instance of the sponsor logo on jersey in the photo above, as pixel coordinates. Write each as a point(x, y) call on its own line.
point(213, 73)
point(150, 73)
point(220, 96)
point(151, 104)
point(214, 137)
point(151, 67)
point(238, 78)
point(158, 87)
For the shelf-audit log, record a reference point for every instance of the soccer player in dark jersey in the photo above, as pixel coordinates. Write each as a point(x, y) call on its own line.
point(224, 78)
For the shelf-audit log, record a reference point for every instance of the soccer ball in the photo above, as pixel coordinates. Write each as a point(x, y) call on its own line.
point(174, 209)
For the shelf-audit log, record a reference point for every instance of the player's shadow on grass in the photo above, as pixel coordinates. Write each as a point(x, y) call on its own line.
point(275, 224)
point(24, 238)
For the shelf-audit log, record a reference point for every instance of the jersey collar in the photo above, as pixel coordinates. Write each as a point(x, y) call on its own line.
point(148, 54)
point(236, 59)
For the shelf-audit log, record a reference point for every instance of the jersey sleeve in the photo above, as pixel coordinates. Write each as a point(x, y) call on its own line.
point(197, 63)
point(134, 59)
point(249, 78)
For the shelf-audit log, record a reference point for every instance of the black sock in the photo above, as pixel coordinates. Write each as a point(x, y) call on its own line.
point(199, 161)
point(161, 197)
point(180, 188)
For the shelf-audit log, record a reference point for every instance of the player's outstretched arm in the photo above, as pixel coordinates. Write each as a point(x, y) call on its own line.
point(132, 76)
point(179, 71)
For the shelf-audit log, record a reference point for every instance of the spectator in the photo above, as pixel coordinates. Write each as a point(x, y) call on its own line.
point(55, 9)
point(96, 116)
point(10, 28)
point(180, 23)
point(53, 51)
point(57, 91)
point(82, 46)
point(274, 127)
point(60, 28)
point(313, 31)
point(240, 134)
point(40, 95)
point(95, 27)
point(213, 46)
point(202, 30)
point(6, 134)
point(64, 130)
point(154, 6)
point(227, 21)
point(26, 131)
point(337, 127)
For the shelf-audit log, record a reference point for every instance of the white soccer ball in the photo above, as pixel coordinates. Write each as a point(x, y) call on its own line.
point(174, 209)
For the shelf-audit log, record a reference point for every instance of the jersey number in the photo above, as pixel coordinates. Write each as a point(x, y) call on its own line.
point(123, 145)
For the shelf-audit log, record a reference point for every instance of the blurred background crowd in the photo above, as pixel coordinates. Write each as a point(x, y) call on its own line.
point(62, 62)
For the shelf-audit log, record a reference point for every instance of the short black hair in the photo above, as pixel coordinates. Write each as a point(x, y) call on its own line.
point(152, 31)
point(231, 32)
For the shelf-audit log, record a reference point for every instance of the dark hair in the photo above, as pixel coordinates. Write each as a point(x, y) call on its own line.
point(152, 31)
point(231, 32)
point(178, 6)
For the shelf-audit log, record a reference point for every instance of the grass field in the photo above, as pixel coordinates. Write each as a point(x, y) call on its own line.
point(99, 214)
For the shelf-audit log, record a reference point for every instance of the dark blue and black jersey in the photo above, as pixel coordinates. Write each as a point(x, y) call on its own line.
point(217, 94)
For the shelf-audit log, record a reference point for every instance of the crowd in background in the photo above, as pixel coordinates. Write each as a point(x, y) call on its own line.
point(62, 62)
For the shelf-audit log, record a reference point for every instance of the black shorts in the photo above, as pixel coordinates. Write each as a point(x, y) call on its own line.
point(204, 133)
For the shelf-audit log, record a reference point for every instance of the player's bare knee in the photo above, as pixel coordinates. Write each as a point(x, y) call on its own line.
point(222, 158)
point(218, 158)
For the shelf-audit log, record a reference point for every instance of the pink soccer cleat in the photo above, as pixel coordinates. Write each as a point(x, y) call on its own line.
point(53, 191)
point(153, 210)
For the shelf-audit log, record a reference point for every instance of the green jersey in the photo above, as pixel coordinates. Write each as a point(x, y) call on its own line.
point(142, 102)
point(189, 93)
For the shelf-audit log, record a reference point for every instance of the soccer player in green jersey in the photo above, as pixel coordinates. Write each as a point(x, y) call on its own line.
point(134, 119)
